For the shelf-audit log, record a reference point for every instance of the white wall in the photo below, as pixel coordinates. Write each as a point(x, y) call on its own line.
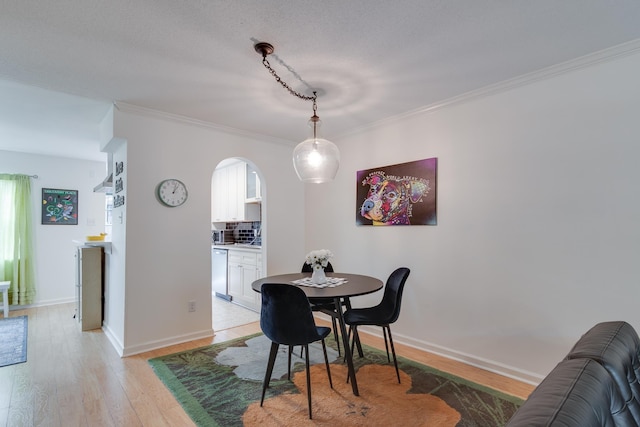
point(114, 290)
point(55, 272)
point(168, 250)
point(537, 237)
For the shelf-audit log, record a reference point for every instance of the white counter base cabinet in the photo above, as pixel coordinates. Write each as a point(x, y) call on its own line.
point(245, 267)
point(89, 277)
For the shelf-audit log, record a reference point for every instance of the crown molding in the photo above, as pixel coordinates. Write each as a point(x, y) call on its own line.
point(606, 55)
point(176, 118)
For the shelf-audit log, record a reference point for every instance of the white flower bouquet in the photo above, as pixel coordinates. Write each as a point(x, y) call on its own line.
point(318, 259)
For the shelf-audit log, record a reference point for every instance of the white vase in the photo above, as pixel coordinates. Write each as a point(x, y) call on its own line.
point(318, 277)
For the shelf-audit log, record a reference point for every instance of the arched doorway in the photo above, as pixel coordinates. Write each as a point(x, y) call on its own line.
point(238, 242)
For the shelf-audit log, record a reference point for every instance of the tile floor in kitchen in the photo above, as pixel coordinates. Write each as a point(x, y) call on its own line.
point(228, 315)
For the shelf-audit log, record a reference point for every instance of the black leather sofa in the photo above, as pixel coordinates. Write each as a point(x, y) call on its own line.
point(597, 384)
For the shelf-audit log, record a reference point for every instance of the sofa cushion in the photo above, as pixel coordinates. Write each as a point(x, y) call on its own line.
point(577, 393)
point(616, 346)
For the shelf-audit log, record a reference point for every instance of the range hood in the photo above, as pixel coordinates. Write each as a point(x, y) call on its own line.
point(105, 186)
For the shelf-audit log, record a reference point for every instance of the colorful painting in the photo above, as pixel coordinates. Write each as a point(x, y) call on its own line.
point(401, 194)
point(59, 207)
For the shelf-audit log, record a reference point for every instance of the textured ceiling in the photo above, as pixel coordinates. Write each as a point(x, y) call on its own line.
point(369, 59)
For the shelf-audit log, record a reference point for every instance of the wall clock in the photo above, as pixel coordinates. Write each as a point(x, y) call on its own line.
point(172, 192)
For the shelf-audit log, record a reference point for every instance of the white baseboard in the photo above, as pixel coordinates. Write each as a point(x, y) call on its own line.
point(115, 342)
point(43, 303)
point(154, 345)
point(469, 359)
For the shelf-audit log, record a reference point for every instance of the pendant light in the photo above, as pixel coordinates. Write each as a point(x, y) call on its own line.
point(315, 160)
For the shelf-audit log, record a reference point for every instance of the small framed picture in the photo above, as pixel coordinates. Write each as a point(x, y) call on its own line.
point(59, 207)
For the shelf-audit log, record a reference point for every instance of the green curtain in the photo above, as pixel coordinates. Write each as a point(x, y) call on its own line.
point(17, 263)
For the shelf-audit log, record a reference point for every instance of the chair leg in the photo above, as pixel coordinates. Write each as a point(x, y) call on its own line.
point(326, 362)
point(386, 345)
point(267, 376)
point(306, 348)
point(353, 342)
point(335, 333)
point(347, 303)
point(393, 350)
point(289, 363)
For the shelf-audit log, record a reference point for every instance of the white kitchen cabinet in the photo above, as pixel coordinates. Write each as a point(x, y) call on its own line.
point(219, 195)
point(228, 195)
point(253, 189)
point(244, 269)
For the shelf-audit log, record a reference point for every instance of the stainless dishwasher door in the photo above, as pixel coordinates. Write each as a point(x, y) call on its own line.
point(219, 273)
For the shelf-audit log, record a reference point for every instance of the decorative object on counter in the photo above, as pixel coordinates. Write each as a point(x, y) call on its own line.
point(99, 238)
point(172, 192)
point(316, 160)
point(318, 260)
point(59, 207)
point(401, 194)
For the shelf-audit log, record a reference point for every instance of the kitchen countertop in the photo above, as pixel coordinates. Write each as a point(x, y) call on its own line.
point(105, 244)
point(238, 247)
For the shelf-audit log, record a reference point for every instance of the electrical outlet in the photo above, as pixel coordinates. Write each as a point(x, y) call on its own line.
point(191, 306)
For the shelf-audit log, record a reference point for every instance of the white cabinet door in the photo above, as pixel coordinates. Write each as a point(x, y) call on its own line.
point(220, 195)
point(233, 212)
point(228, 195)
point(253, 189)
point(250, 275)
point(243, 272)
point(235, 280)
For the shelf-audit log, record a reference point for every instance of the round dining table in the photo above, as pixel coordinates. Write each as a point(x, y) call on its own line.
point(354, 285)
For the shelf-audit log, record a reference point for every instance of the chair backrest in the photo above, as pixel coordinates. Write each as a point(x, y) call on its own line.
point(306, 268)
point(392, 297)
point(286, 316)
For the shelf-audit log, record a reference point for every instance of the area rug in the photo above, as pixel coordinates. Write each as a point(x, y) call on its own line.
point(220, 385)
point(13, 340)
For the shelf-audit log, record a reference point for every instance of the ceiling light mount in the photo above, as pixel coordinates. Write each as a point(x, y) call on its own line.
point(263, 48)
point(316, 160)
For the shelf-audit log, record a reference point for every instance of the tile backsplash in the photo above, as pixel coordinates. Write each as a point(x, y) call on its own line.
point(244, 232)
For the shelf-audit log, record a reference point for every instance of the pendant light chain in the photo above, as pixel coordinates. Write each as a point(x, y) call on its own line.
point(265, 62)
point(316, 160)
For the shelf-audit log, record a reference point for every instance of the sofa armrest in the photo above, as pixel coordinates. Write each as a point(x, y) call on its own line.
point(576, 393)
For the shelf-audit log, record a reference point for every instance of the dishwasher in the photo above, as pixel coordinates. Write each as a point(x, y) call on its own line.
point(219, 273)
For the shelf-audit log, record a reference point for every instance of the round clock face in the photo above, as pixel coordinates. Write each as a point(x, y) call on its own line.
point(172, 192)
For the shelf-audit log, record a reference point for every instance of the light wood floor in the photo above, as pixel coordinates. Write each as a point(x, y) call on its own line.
point(74, 378)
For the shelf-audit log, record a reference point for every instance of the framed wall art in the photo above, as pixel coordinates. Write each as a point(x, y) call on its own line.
point(401, 194)
point(59, 207)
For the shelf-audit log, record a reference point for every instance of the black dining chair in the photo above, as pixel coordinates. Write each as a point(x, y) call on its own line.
point(383, 314)
point(286, 318)
point(324, 305)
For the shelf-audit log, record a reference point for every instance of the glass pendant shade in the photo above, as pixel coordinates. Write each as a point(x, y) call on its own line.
point(316, 160)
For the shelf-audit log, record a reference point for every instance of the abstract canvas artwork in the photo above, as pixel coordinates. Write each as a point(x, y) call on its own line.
point(400, 194)
point(59, 207)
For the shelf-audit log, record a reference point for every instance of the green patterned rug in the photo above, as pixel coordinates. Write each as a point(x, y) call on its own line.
point(13, 340)
point(220, 385)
